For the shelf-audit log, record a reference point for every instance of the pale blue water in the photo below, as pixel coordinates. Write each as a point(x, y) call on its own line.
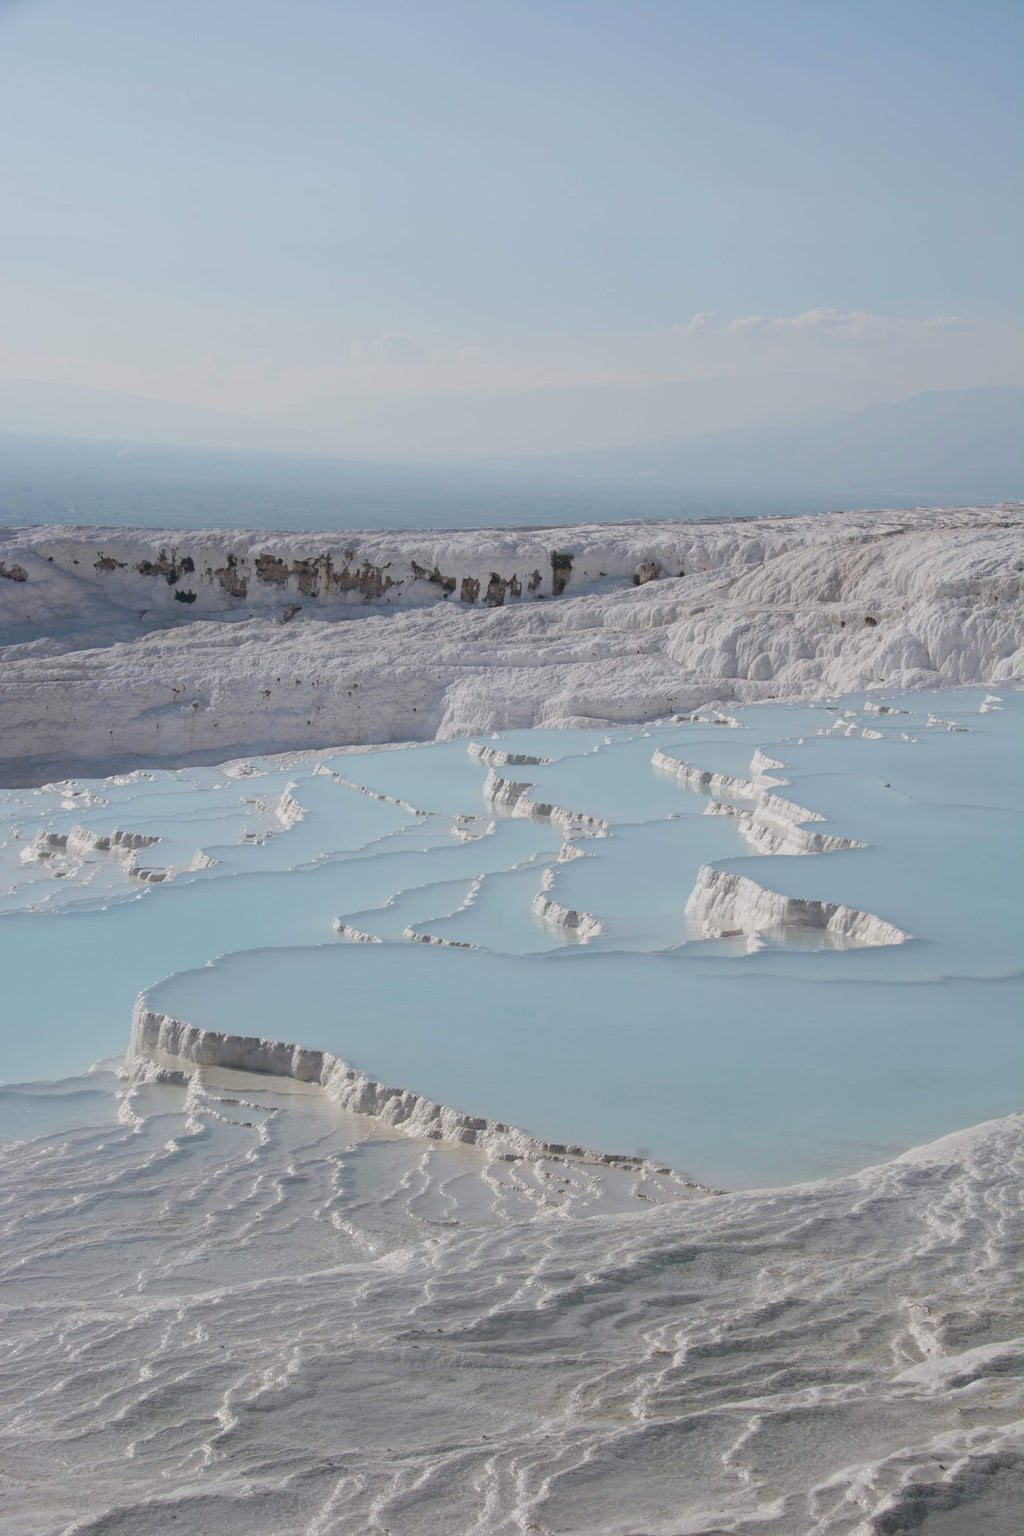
point(740, 1068)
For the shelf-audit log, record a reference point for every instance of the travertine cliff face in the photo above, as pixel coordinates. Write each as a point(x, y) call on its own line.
point(725, 903)
point(125, 647)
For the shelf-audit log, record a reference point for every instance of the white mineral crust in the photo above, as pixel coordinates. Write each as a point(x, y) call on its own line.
point(723, 903)
point(123, 645)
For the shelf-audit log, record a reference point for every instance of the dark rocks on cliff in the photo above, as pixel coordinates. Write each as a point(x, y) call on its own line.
point(497, 586)
point(232, 579)
point(272, 570)
point(561, 570)
point(372, 581)
point(446, 583)
point(167, 566)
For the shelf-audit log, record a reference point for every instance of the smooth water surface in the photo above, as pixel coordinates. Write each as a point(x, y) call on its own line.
point(565, 990)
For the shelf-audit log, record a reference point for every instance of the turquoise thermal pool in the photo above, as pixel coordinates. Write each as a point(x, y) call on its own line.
point(789, 945)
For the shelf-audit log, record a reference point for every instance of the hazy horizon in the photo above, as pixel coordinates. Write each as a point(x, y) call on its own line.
point(938, 448)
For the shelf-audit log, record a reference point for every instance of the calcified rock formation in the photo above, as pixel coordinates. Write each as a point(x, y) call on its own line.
point(514, 799)
point(581, 925)
point(725, 904)
point(162, 1047)
point(771, 824)
point(704, 781)
point(68, 849)
point(127, 646)
point(354, 935)
point(494, 757)
point(771, 834)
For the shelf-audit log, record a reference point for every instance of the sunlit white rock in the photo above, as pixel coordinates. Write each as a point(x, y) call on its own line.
point(723, 902)
point(108, 660)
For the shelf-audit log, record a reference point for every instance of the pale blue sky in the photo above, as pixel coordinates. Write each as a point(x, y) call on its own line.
point(351, 218)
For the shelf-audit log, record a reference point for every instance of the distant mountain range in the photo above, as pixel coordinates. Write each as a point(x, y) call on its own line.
point(946, 445)
point(952, 446)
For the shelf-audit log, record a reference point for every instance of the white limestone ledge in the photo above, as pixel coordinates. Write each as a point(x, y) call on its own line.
point(513, 799)
point(769, 834)
point(416, 936)
point(580, 925)
point(354, 935)
point(170, 1050)
point(63, 852)
point(725, 904)
point(494, 757)
point(703, 781)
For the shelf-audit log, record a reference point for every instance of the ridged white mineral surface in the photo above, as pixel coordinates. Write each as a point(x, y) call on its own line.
point(125, 646)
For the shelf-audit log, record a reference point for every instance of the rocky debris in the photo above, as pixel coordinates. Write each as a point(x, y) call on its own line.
point(647, 570)
point(108, 563)
point(446, 583)
point(470, 589)
point(271, 570)
point(308, 574)
point(497, 586)
point(14, 571)
point(372, 581)
point(561, 570)
point(167, 566)
point(231, 578)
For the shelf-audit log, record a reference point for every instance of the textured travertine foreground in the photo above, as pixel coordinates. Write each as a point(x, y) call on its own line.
point(127, 645)
point(300, 1329)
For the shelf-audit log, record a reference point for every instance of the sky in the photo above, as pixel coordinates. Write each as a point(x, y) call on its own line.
point(421, 228)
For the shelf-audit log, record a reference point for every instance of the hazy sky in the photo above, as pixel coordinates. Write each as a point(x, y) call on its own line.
point(467, 226)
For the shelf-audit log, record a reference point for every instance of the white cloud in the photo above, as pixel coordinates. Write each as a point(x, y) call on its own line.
point(703, 320)
point(843, 324)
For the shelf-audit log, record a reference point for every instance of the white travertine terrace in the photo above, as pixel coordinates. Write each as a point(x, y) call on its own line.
point(723, 902)
point(767, 833)
point(170, 1049)
point(354, 935)
point(63, 852)
point(772, 824)
point(513, 799)
point(494, 757)
point(704, 781)
point(582, 925)
point(122, 646)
